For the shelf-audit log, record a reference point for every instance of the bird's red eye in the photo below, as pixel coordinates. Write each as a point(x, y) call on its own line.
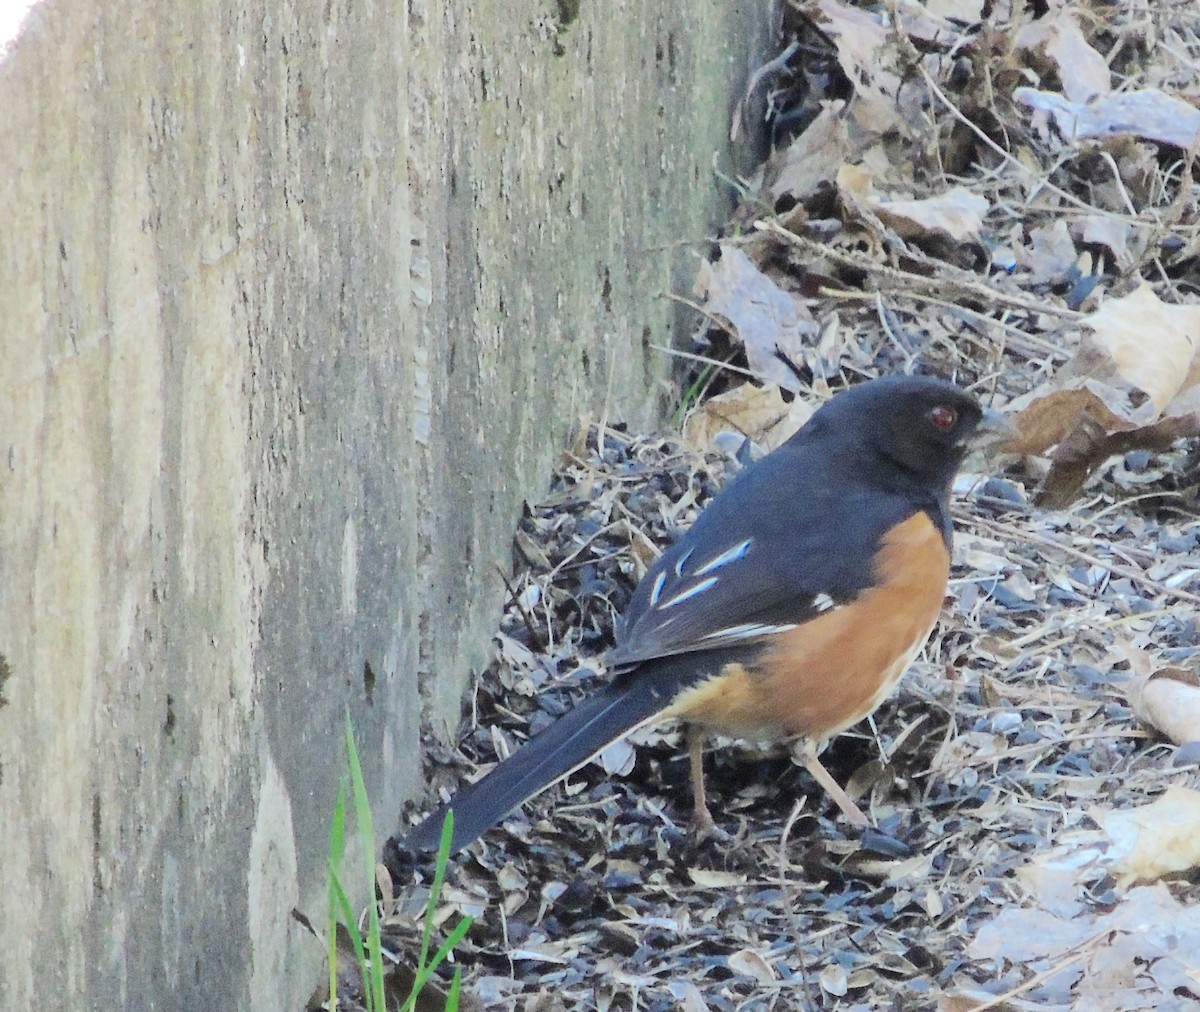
point(943, 417)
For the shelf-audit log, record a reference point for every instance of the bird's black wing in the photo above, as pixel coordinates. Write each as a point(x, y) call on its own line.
point(787, 540)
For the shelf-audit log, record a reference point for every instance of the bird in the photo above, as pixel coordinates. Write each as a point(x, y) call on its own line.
point(787, 612)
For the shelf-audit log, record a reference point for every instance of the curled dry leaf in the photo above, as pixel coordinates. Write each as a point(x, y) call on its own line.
point(867, 59)
point(1169, 701)
point(1149, 113)
point(814, 157)
point(771, 323)
point(1154, 840)
point(1081, 69)
point(958, 212)
point(758, 413)
point(618, 759)
point(1134, 384)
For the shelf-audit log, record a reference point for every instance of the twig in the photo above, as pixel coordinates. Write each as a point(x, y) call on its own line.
point(949, 277)
point(716, 363)
point(1070, 198)
point(538, 644)
point(787, 886)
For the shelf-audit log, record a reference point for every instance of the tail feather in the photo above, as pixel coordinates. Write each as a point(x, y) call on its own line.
point(560, 749)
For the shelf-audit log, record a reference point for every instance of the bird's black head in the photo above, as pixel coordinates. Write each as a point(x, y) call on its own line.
point(923, 425)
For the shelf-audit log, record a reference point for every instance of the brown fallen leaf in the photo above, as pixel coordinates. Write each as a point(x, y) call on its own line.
point(957, 212)
point(758, 413)
point(1134, 384)
point(773, 325)
point(1169, 701)
point(814, 157)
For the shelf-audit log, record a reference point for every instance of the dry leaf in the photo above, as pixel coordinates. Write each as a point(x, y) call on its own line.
point(1082, 71)
point(958, 212)
point(1135, 383)
point(814, 157)
point(865, 54)
point(689, 996)
point(1106, 230)
point(1048, 255)
point(942, 22)
point(1151, 343)
point(772, 324)
point(1156, 839)
point(1149, 113)
point(1169, 701)
point(547, 953)
point(1025, 934)
point(758, 413)
point(966, 11)
point(1054, 878)
point(618, 759)
point(969, 1000)
point(1149, 942)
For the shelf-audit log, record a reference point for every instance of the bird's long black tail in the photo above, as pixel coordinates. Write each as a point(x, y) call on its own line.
point(564, 746)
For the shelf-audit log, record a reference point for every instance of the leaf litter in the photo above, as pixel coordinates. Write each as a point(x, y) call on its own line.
point(977, 191)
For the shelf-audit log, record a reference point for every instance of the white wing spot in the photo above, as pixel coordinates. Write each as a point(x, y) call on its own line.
point(682, 561)
point(691, 592)
point(656, 590)
point(749, 630)
point(725, 558)
point(823, 602)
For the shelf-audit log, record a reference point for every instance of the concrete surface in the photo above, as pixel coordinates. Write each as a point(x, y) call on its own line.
point(299, 301)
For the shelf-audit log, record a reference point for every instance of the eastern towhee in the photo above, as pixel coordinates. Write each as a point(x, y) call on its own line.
point(789, 609)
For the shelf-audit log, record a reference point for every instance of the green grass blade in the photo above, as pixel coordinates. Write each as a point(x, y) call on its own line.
point(435, 890)
point(373, 981)
point(691, 396)
point(351, 922)
point(455, 992)
point(337, 845)
point(425, 974)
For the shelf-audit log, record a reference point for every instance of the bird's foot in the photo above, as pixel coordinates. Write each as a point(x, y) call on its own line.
point(704, 827)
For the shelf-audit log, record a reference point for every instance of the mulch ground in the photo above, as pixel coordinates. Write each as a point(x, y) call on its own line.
point(1011, 724)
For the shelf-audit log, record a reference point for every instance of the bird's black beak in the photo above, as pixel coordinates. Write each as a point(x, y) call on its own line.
point(992, 431)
